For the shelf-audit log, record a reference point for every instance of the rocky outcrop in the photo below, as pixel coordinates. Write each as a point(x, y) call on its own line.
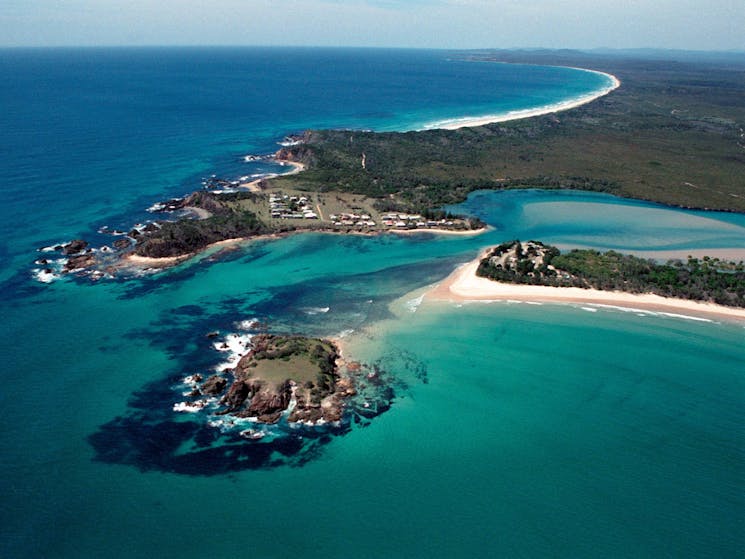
point(214, 385)
point(236, 396)
point(297, 154)
point(74, 247)
point(122, 244)
point(79, 262)
point(260, 390)
point(268, 404)
point(206, 201)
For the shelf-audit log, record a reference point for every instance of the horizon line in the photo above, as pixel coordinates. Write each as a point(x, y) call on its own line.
point(378, 47)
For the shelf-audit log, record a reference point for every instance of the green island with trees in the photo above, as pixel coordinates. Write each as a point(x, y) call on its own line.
point(707, 279)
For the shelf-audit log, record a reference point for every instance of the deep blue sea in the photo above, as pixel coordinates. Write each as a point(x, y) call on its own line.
point(514, 429)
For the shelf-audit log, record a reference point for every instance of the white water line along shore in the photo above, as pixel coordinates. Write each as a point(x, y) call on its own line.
point(464, 285)
point(470, 121)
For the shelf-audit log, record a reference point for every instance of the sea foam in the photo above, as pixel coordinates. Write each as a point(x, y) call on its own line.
point(236, 346)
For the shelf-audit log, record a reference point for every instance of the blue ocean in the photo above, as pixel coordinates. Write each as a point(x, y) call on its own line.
point(503, 430)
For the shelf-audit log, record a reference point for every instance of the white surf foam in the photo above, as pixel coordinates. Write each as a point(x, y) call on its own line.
point(236, 346)
point(44, 276)
point(646, 313)
point(412, 305)
point(189, 407)
point(246, 324)
point(315, 310)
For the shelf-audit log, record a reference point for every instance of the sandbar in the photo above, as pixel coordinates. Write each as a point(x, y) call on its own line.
point(464, 285)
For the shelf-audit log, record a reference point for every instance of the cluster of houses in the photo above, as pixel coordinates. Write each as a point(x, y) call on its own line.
point(283, 206)
point(352, 219)
point(409, 221)
point(510, 256)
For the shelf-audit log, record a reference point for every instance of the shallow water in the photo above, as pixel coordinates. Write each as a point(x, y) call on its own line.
point(551, 431)
point(514, 429)
point(593, 220)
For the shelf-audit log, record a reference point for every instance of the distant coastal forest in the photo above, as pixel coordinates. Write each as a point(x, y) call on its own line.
point(706, 279)
point(674, 133)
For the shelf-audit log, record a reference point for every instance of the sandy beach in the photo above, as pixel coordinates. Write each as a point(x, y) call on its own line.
point(254, 186)
point(465, 122)
point(135, 260)
point(296, 166)
point(464, 285)
point(453, 232)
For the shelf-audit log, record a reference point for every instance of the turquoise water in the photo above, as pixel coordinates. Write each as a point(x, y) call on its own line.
point(516, 429)
point(551, 431)
point(593, 220)
point(513, 429)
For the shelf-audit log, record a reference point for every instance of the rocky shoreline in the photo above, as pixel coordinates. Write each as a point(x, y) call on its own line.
point(300, 380)
point(225, 210)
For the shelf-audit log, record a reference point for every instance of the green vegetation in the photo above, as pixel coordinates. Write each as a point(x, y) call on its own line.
point(672, 134)
point(310, 362)
point(228, 221)
point(707, 279)
point(281, 371)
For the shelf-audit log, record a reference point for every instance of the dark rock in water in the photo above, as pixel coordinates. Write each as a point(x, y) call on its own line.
point(75, 246)
point(80, 261)
point(169, 206)
point(150, 227)
point(214, 385)
point(194, 393)
point(48, 271)
point(121, 244)
point(237, 394)
point(213, 334)
point(134, 233)
point(42, 262)
point(270, 417)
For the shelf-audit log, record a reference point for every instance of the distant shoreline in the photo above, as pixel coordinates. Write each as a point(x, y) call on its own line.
point(468, 121)
point(464, 285)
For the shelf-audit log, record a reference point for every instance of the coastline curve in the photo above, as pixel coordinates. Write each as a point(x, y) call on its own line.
point(472, 121)
point(464, 285)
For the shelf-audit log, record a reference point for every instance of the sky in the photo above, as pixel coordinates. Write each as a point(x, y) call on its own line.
point(461, 24)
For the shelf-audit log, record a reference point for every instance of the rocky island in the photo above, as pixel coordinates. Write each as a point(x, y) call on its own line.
point(280, 374)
